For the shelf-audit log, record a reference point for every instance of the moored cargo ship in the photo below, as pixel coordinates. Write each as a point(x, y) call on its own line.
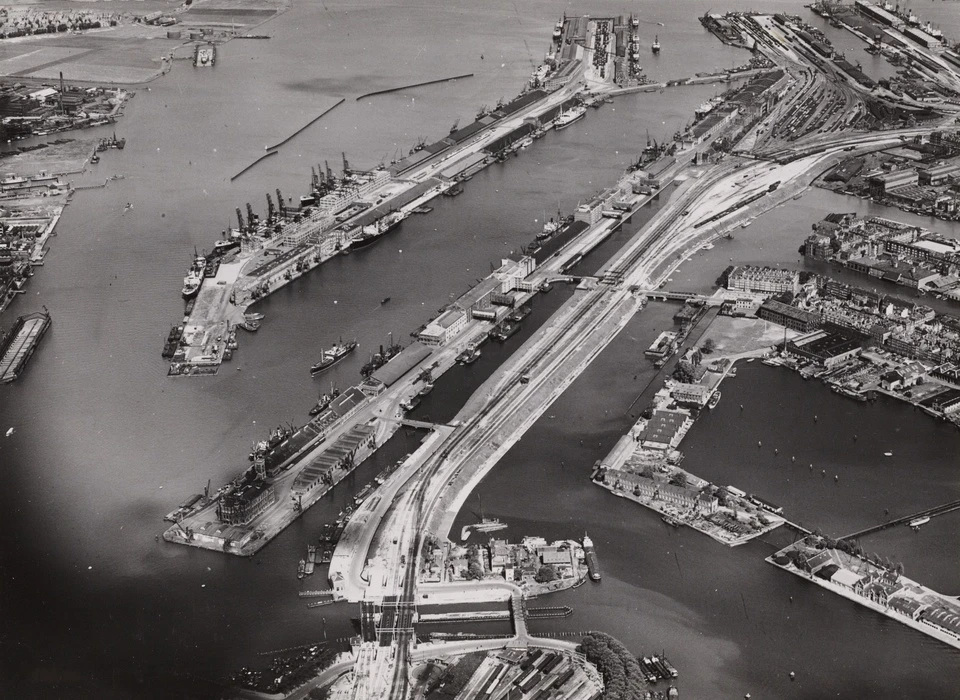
point(330, 357)
point(593, 566)
point(568, 117)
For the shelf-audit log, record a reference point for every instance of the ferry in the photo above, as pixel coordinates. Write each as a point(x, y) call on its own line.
point(490, 525)
point(570, 116)
point(714, 400)
point(558, 30)
point(311, 560)
point(330, 357)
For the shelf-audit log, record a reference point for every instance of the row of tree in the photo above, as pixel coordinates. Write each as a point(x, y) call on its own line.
point(622, 676)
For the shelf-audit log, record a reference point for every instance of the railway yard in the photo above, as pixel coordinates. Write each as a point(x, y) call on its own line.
point(763, 144)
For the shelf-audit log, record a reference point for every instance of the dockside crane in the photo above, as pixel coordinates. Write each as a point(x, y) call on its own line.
point(455, 125)
point(314, 178)
point(281, 205)
point(270, 211)
point(251, 219)
point(330, 179)
point(240, 220)
point(346, 164)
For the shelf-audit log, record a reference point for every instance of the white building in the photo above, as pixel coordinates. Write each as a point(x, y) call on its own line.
point(444, 328)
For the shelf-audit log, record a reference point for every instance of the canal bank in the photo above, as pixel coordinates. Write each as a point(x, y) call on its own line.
point(99, 430)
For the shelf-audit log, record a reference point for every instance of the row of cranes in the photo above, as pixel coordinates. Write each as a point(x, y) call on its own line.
point(275, 215)
point(322, 182)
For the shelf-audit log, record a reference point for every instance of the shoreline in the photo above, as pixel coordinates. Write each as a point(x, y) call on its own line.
point(926, 629)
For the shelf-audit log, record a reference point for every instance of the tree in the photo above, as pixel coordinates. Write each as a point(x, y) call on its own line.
point(474, 571)
point(709, 345)
point(545, 574)
point(679, 478)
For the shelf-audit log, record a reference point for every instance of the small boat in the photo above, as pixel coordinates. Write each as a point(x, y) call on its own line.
point(301, 569)
point(655, 47)
point(384, 300)
point(915, 524)
point(670, 520)
point(425, 389)
point(714, 400)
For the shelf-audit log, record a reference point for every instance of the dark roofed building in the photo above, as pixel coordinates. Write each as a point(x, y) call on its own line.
point(789, 316)
point(826, 348)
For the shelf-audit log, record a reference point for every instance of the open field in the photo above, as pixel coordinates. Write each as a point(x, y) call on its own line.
point(127, 54)
point(54, 158)
point(738, 335)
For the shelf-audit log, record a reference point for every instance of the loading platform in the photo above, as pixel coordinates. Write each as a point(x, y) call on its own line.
point(19, 344)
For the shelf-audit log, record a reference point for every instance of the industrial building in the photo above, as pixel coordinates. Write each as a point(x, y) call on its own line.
point(825, 348)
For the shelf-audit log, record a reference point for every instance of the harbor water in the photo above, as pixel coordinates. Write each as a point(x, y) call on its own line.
point(105, 444)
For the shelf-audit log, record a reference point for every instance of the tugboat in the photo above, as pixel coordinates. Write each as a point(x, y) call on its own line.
point(468, 356)
point(655, 47)
point(425, 389)
point(330, 357)
point(301, 569)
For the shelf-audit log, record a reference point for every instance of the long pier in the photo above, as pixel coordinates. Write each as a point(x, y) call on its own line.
point(306, 126)
point(929, 512)
point(19, 344)
point(414, 85)
point(265, 155)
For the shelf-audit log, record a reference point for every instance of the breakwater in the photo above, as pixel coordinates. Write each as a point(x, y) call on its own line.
point(414, 85)
point(307, 125)
point(264, 156)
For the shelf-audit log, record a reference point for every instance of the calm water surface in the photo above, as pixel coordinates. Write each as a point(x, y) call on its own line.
point(105, 444)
